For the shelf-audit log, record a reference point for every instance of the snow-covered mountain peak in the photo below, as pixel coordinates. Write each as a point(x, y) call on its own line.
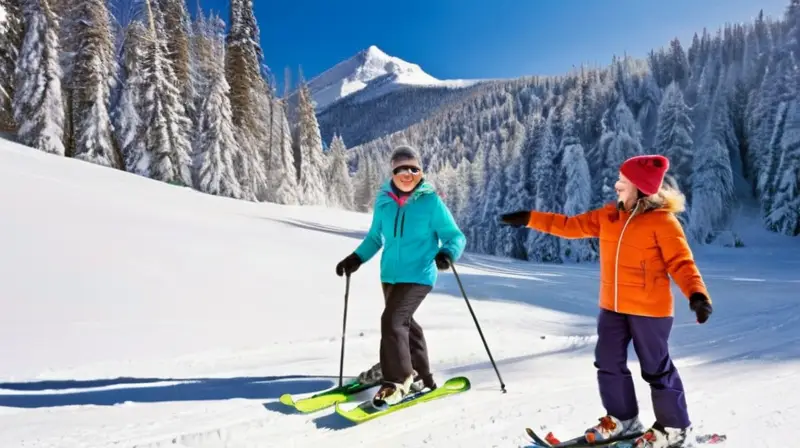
point(369, 66)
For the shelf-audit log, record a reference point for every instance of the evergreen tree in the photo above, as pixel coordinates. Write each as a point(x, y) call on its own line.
point(248, 96)
point(674, 134)
point(578, 193)
point(621, 139)
point(217, 146)
point(340, 186)
point(309, 140)
point(164, 116)
point(11, 28)
point(91, 77)
point(712, 179)
point(129, 114)
point(544, 247)
point(38, 102)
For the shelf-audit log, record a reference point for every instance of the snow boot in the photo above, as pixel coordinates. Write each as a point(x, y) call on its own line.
point(660, 437)
point(611, 426)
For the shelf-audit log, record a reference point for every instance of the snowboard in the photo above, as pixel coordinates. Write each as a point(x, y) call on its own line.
point(327, 398)
point(365, 411)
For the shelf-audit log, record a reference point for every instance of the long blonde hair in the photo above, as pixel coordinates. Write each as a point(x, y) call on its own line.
point(669, 197)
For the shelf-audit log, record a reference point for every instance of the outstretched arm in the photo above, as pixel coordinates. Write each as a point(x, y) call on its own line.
point(585, 225)
point(452, 238)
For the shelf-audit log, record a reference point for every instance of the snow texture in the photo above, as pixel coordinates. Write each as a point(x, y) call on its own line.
point(156, 316)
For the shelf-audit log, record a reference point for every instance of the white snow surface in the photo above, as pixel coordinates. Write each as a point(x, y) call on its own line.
point(374, 69)
point(140, 314)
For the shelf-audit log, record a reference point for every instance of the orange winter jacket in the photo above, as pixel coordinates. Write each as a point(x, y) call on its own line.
point(637, 251)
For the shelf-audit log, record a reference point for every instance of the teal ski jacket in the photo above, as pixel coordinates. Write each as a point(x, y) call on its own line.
point(410, 232)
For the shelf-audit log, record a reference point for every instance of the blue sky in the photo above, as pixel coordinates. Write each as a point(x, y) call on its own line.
point(482, 38)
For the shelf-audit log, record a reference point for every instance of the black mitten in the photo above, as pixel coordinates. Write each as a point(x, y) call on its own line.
point(442, 260)
point(348, 265)
point(516, 219)
point(701, 306)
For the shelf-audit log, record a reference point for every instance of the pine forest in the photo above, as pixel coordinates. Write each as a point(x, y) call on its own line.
point(144, 87)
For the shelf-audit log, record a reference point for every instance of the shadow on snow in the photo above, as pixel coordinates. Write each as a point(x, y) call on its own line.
point(109, 392)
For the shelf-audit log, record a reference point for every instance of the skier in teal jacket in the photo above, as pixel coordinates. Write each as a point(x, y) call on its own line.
point(418, 234)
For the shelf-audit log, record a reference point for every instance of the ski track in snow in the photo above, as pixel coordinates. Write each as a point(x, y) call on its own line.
point(139, 314)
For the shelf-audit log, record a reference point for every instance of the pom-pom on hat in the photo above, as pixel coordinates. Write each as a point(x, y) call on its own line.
point(646, 172)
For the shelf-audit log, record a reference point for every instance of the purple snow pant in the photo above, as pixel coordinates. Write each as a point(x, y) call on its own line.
point(650, 337)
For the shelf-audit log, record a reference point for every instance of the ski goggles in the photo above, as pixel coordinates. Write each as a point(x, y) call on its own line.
point(414, 170)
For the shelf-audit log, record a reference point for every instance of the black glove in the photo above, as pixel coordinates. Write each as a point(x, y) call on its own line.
point(348, 265)
point(516, 219)
point(442, 260)
point(701, 306)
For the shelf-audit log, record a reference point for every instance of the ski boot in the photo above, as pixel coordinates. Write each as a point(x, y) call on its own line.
point(612, 427)
point(660, 437)
point(423, 382)
point(371, 376)
point(392, 393)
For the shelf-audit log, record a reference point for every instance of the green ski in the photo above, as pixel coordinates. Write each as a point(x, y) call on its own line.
point(365, 411)
point(326, 398)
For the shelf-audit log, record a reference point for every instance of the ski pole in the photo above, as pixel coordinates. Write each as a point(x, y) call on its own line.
point(463, 293)
point(344, 328)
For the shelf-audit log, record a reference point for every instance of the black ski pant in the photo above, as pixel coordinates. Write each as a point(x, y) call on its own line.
point(403, 347)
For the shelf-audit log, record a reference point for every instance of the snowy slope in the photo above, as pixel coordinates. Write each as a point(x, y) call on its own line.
point(135, 313)
point(373, 73)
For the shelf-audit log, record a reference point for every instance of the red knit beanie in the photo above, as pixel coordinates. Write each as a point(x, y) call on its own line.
point(646, 172)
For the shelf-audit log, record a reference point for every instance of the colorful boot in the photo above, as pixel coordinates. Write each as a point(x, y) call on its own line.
point(611, 426)
point(373, 375)
point(660, 437)
point(392, 393)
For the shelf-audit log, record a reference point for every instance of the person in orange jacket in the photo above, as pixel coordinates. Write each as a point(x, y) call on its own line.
point(642, 243)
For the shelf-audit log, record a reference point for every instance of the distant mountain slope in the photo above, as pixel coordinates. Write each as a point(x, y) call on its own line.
point(360, 119)
point(372, 73)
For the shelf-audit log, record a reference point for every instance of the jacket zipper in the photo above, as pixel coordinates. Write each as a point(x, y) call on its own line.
point(396, 217)
point(402, 224)
point(616, 266)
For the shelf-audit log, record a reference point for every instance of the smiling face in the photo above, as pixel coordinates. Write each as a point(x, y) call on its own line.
point(626, 193)
point(406, 174)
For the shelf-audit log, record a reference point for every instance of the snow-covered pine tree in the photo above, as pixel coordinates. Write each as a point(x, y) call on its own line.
point(92, 67)
point(281, 172)
point(11, 28)
point(129, 113)
point(712, 178)
point(217, 146)
point(309, 140)
point(621, 139)
point(494, 204)
point(243, 71)
point(340, 186)
point(165, 120)
point(177, 25)
point(578, 193)
point(543, 247)
point(38, 102)
point(674, 134)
